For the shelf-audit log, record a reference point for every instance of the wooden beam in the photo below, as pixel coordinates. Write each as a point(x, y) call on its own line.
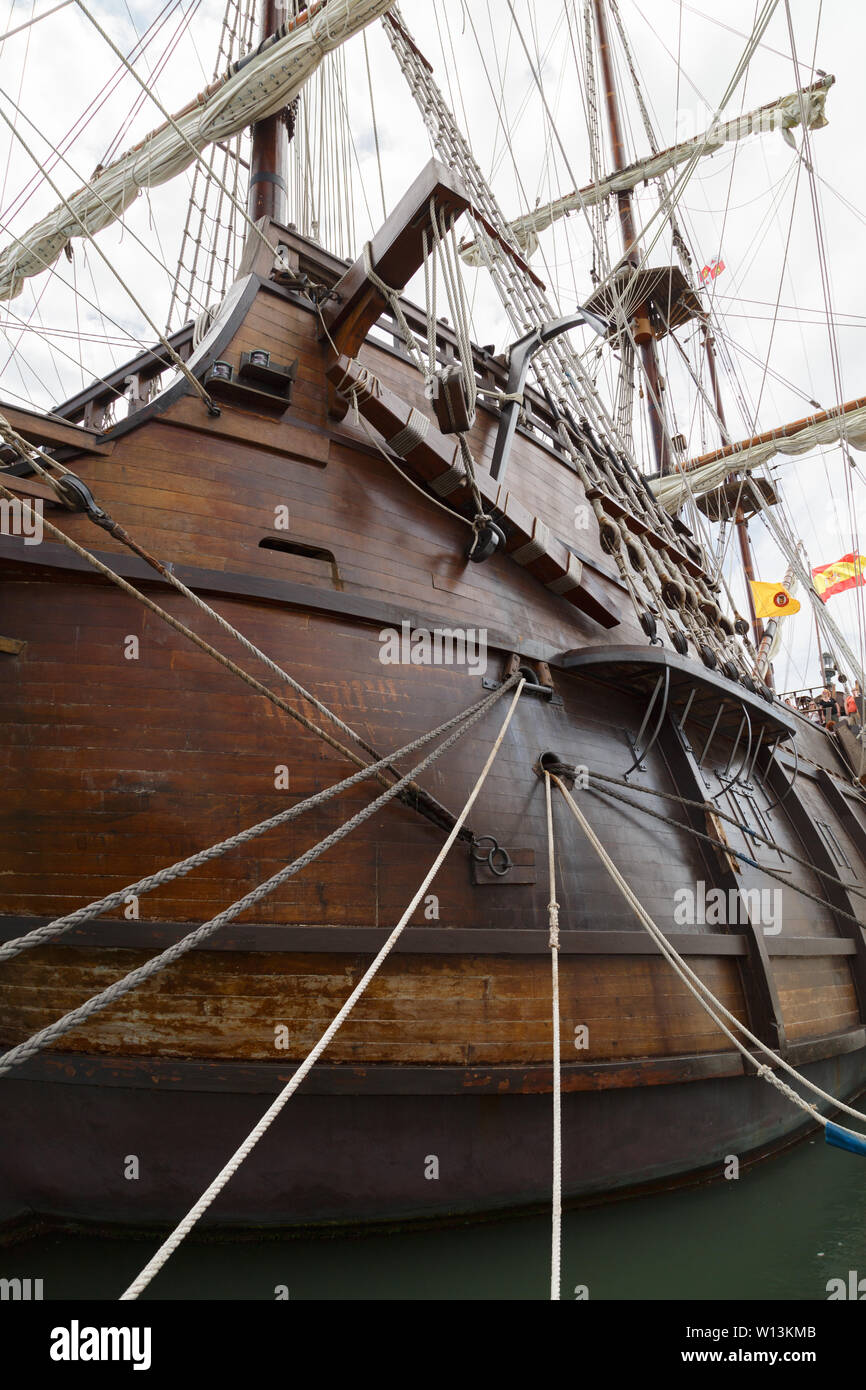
point(340, 940)
point(26, 487)
point(780, 432)
point(39, 429)
point(240, 1077)
point(266, 589)
point(397, 251)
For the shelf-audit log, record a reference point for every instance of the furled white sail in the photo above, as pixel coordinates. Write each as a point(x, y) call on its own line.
point(784, 115)
point(257, 88)
point(847, 422)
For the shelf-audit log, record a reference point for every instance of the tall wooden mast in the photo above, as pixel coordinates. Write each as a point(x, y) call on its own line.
point(644, 335)
point(269, 158)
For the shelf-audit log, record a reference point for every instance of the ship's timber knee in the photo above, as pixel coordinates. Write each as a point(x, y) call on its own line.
point(395, 254)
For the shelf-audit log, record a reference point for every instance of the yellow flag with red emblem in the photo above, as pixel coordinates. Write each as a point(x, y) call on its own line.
point(772, 600)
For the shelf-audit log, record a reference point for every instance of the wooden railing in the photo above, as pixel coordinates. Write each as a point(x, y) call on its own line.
point(139, 380)
point(136, 383)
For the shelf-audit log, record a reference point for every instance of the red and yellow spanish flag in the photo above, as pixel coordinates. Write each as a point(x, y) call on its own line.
point(772, 600)
point(847, 573)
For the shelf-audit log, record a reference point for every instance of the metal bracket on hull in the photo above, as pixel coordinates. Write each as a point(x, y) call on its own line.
point(544, 692)
point(520, 358)
point(663, 684)
point(793, 780)
point(737, 778)
point(497, 858)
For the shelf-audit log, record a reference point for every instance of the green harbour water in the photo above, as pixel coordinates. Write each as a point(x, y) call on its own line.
point(781, 1231)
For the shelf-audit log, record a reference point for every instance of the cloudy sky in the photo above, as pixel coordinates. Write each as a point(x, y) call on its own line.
point(753, 204)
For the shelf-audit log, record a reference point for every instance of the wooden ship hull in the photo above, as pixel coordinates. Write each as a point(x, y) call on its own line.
point(115, 766)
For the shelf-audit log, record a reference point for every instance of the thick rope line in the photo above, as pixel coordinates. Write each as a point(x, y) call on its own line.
point(180, 627)
point(236, 39)
point(183, 1229)
point(33, 455)
point(392, 299)
point(54, 1031)
point(123, 535)
point(60, 158)
point(120, 533)
point(559, 369)
point(553, 917)
point(704, 995)
point(52, 930)
point(34, 20)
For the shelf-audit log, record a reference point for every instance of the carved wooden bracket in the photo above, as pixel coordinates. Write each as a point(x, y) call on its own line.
point(396, 252)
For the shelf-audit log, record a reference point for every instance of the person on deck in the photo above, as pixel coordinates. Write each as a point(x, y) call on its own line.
point(851, 709)
point(827, 707)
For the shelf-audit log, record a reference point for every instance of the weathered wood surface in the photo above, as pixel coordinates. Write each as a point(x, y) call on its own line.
point(113, 767)
point(422, 1009)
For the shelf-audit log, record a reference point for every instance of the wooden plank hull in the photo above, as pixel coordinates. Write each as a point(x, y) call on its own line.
point(123, 755)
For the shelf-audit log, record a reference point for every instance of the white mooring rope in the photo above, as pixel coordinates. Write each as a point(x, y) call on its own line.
point(704, 995)
point(553, 917)
point(140, 1283)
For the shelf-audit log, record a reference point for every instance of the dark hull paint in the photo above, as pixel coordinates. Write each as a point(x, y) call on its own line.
point(330, 1160)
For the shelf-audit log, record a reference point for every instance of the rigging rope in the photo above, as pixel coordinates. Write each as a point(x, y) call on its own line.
point(722, 815)
point(789, 549)
point(173, 354)
point(89, 113)
point(34, 456)
point(563, 375)
point(60, 158)
point(831, 328)
point(35, 20)
point(236, 40)
point(737, 854)
point(152, 1268)
point(253, 226)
